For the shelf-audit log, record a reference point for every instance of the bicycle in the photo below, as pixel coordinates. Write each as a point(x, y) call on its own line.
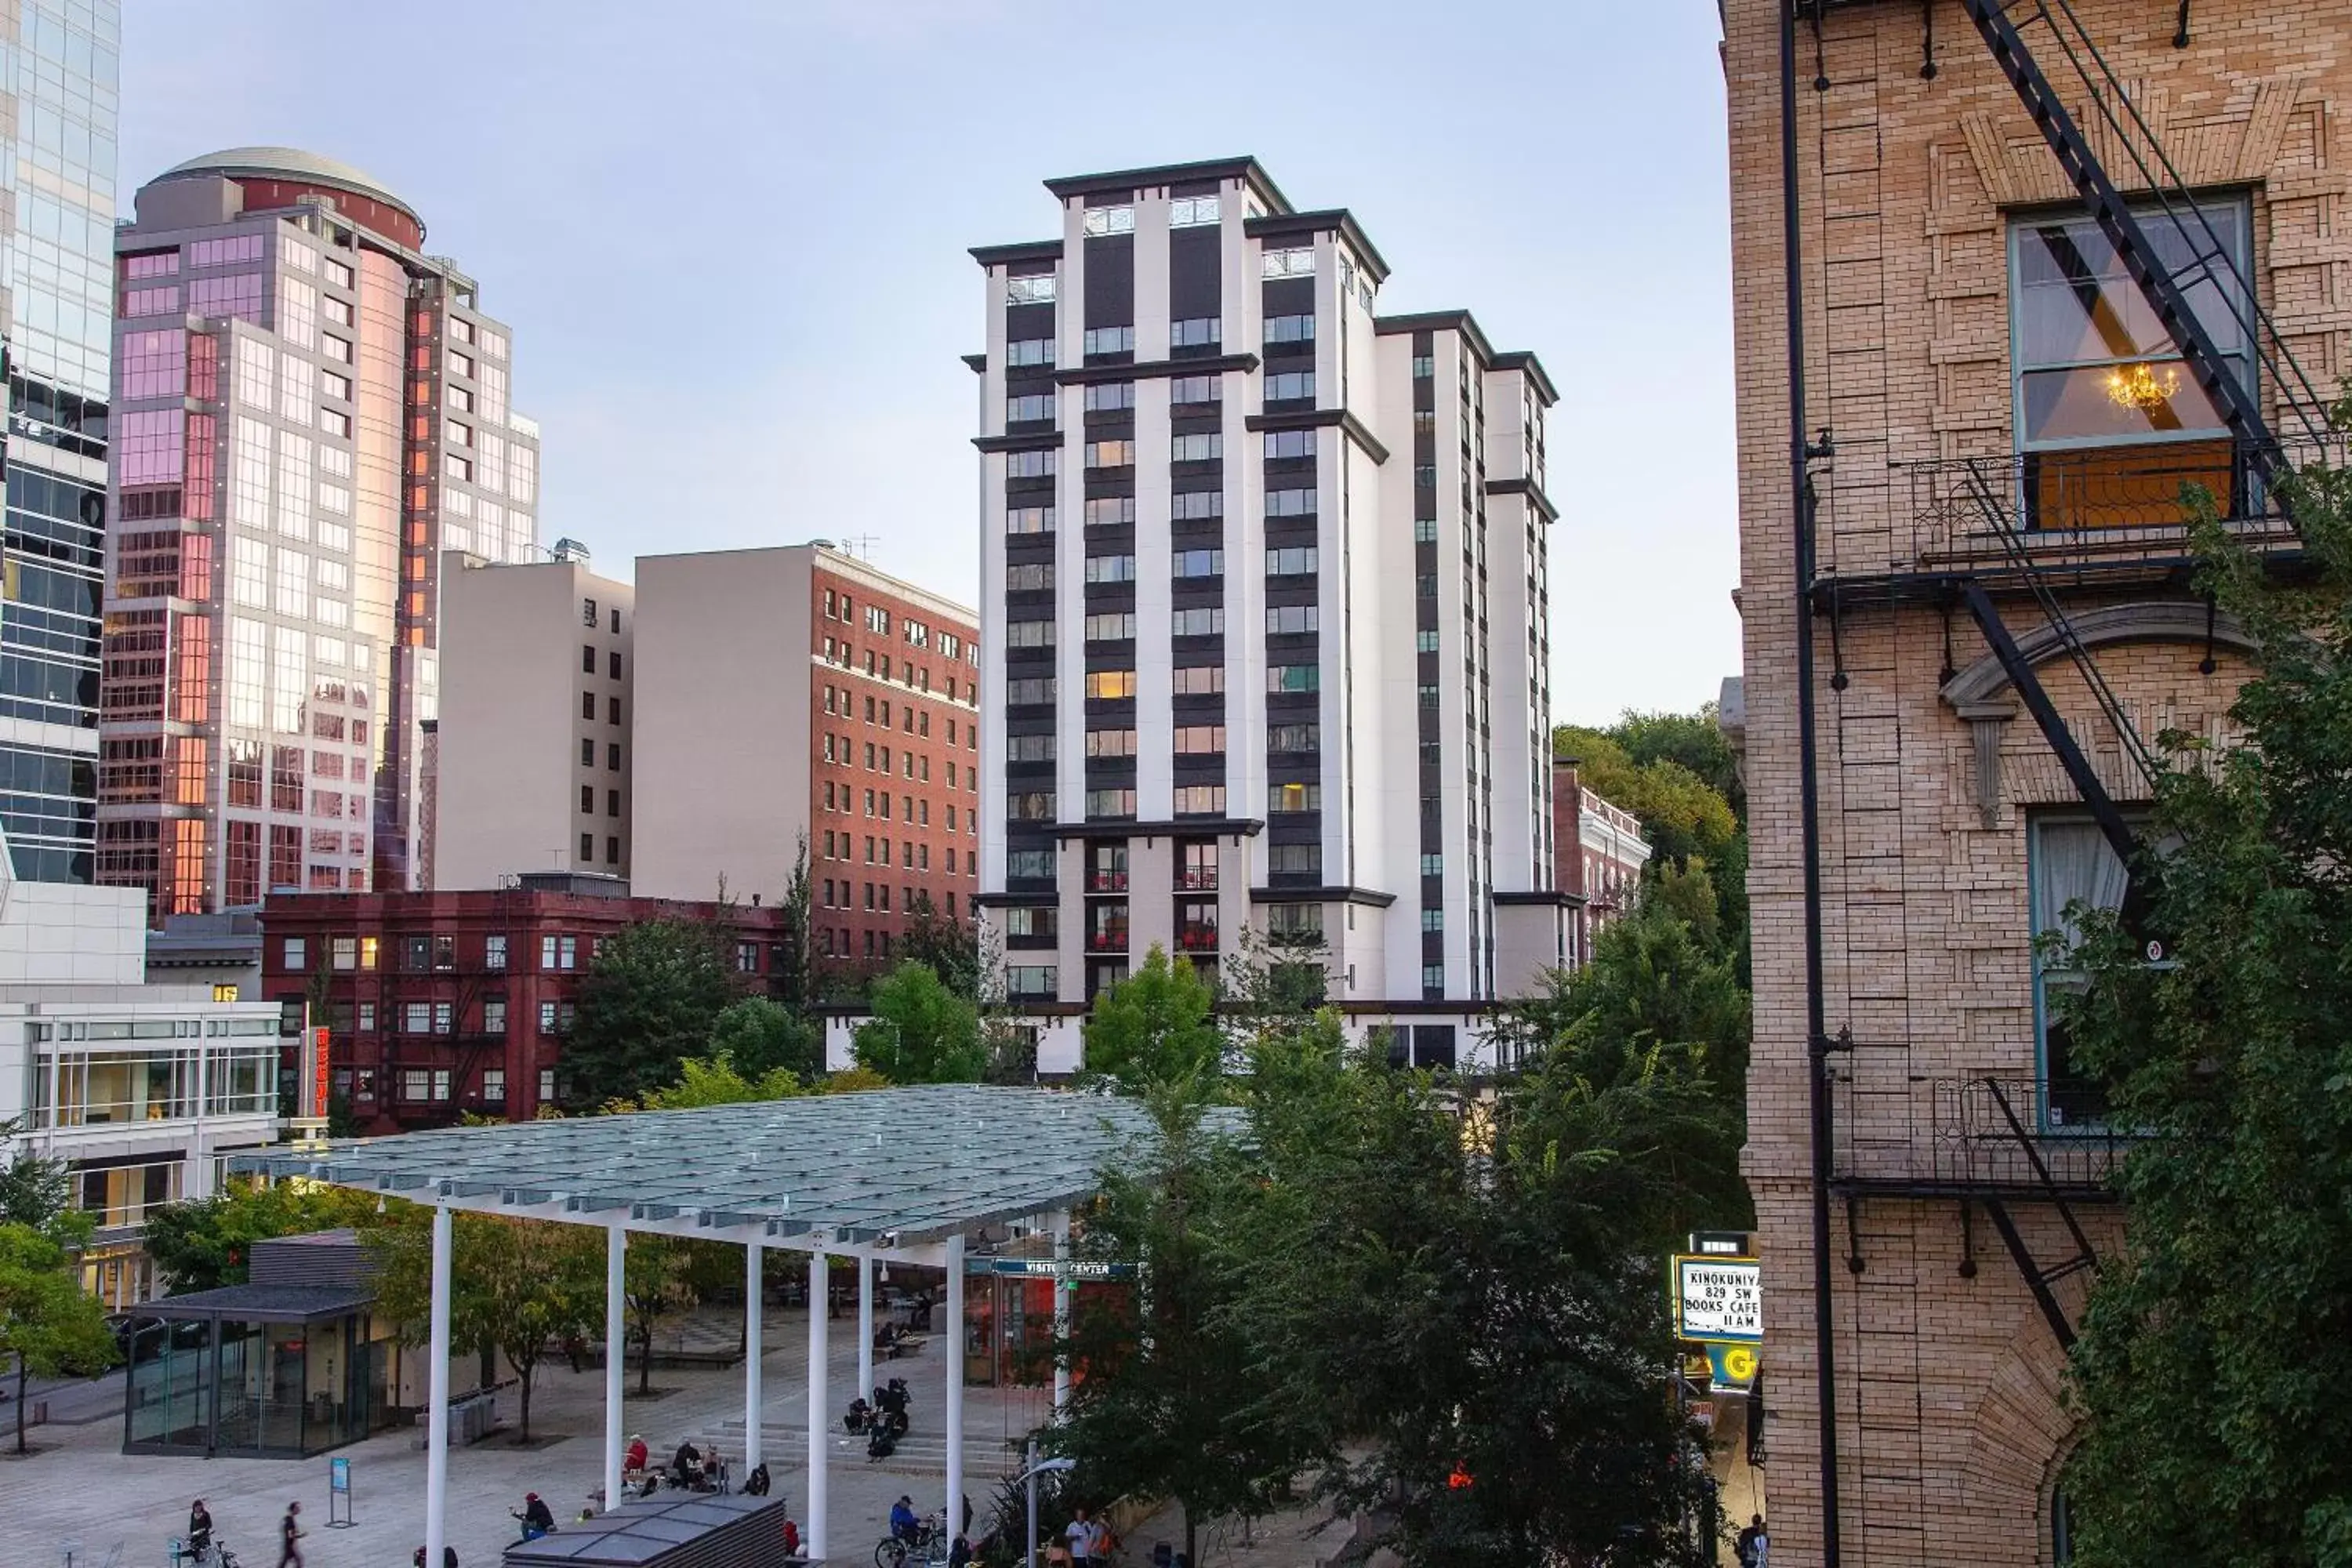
point(930, 1545)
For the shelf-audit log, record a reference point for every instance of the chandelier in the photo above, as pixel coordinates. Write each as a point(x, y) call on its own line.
point(2142, 386)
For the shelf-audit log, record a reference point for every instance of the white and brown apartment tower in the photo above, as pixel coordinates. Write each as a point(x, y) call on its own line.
point(2029, 312)
point(307, 411)
point(1265, 578)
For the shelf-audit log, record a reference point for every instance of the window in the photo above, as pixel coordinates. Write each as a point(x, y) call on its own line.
point(494, 951)
point(1433, 920)
point(1104, 396)
point(1290, 563)
point(1187, 389)
point(1200, 740)
point(1029, 922)
point(1030, 806)
point(1110, 803)
point(1029, 865)
point(1281, 445)
point(1030, 748)
point(1110, 510)
point(1290, 386)
point(1295, 860)
point(1110, 568)
point(1200, 800)
point(1037, 289)
point(1110, 454)
point(1190, 212)
point(877, 620)
point(1291, 678)
point(1199, 562)
point(494, 1085)
point(1196, 867)
point(417, 1018)
point(1111, 743)
point(1294, 263)
point(1294, 798)
point(1290, 503)
point(1110, 683)
point(1203, 622)
point(2098, 382)
point(1195, 332)
point(1029, 578)
point(746, 958)
point(297, 954)
point(1029, 352)
point(1197, 448)
point(1289, 330)
point(1284, 620)
point(1433, 865)
point(494, 1015)
point(2068, 860)
point(1028, 634)
point(1196, 506)
point(1424, 367)
point(558, 952)
point(547, 1083)
point(1198, 680)
point(1294, 920)
point(1110, 340)
point(1029, 406)
point(1107, 220)
point(1032, 980)
point(1037, 465)
point(1118, 628)
point(1029, 692)
point(1294, 738)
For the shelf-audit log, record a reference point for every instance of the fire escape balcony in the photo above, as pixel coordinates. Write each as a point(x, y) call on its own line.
point(1974, 1137)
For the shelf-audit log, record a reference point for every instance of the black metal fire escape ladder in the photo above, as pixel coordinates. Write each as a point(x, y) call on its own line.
point(2039, 1280)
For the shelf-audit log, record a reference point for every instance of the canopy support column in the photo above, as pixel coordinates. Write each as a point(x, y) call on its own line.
point(617, 1355)
point(437, 1421)
point(1060, 1225)
point(754, 1256)
point(864, 1329)
point(820, 1267)
point(951, 1342)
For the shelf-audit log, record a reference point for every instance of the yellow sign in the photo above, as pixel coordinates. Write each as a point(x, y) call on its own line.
point(225, 993)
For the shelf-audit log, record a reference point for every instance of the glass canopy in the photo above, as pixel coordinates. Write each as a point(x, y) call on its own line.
point(893, 1167)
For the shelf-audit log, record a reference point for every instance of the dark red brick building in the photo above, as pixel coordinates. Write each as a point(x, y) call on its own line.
point(441, 1002)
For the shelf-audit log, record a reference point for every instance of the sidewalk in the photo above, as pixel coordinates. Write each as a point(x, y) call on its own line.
point(81, 1487)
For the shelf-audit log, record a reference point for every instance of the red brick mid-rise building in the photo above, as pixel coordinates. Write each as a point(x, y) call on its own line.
point(449, 1002)
point(1599, 853)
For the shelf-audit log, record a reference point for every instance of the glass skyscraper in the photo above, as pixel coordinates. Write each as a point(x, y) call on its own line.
point(58, 69)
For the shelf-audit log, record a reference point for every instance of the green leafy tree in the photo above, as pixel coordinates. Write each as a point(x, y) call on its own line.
point(1468, 1292)
point(1274, 980)
point(46, 1323)
point(202, 1244)
point(1682, 813)
point(1696, 741)
point(1170, 1405)
point(760, 1036)
point(1156, 1027)
point(921, 1032)
point(951, 948)
point(792, 976)
point(34, 1191)
point(1011, 1050)
point(714, 1080)
point(657, 1284)
point(2210, 1347)
point(651, 999)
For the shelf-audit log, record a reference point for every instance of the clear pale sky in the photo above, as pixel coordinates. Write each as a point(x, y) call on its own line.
point(731, 237)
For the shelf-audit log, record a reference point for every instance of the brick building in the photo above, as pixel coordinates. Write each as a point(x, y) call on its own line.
point(1986, 417)
point(1600, 852)
point(447, 1002)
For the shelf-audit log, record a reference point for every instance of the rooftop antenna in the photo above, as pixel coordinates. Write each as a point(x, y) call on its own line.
point(860, 545)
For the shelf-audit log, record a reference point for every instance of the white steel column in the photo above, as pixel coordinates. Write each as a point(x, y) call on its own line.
point(436, 1424)
point(754, 1254)
point(617, 1355)
point(1060, 1223)
point(952, 1340)
point(818, 1438)
point(864, 1329)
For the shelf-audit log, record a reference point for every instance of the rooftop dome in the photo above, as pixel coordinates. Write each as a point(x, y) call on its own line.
point(291, 163)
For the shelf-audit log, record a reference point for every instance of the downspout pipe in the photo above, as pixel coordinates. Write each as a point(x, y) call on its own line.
point(1818, 1045)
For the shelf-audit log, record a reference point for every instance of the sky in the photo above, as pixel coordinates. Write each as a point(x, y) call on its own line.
point(731, 237)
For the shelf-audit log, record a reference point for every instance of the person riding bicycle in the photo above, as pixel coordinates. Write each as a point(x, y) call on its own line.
point(200, 1529)
point(903, 1525)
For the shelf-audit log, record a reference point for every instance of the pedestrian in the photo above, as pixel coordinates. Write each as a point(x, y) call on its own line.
point(793, 1553)
point(1080, 1534)
point(960, 1554)
point(289, 1532)
point(200, 1530)
point(1752, 1544)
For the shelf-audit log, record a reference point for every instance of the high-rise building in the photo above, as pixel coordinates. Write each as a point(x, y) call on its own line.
point(57, 274)
point(538, 665)
point(798, 692)
point(307, 411)
point(1264, 577)
point(1969, 600)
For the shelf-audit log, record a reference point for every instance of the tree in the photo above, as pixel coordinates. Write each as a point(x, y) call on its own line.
point(1696, 741)
point(1156, 1027)
point(714, 1080)
point(202, 1244)
point(921, 1032)
point(1169, 1405)
point(951, 948)
point(46, 1321)
point(651, 999)
point(792, 975)
point(34, 1191)
point(1681, 812)
point(1467, 1296)
point(2208, 1349)
point(656, 1283)
point(760, 1037)
point(516, 1286)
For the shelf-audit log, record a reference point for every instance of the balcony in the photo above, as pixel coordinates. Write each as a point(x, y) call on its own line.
point(1196, 937)
point(1953, 1137)
point(2081, 517)
point(1197, 880)
point(1105, 881)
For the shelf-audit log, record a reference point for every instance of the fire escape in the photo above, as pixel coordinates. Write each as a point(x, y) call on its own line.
point(1991, 537)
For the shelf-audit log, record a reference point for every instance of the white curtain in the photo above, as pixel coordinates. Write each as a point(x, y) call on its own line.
point(2073, 861)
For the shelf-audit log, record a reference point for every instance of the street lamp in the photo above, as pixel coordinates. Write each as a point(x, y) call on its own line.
point(1028, 1477)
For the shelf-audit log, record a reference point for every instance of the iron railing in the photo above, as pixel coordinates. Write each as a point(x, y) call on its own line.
point(1956, 1135)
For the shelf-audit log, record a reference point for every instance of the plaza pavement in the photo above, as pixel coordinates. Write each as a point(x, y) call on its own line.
point(79, 1487)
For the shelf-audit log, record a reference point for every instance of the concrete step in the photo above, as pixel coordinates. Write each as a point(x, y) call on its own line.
point(786, 1443)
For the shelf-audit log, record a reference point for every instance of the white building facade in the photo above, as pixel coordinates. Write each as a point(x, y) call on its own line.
point(1265, 582)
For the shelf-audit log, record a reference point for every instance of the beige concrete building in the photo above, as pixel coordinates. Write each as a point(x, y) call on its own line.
point(1992, 417)
point(537, 694)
